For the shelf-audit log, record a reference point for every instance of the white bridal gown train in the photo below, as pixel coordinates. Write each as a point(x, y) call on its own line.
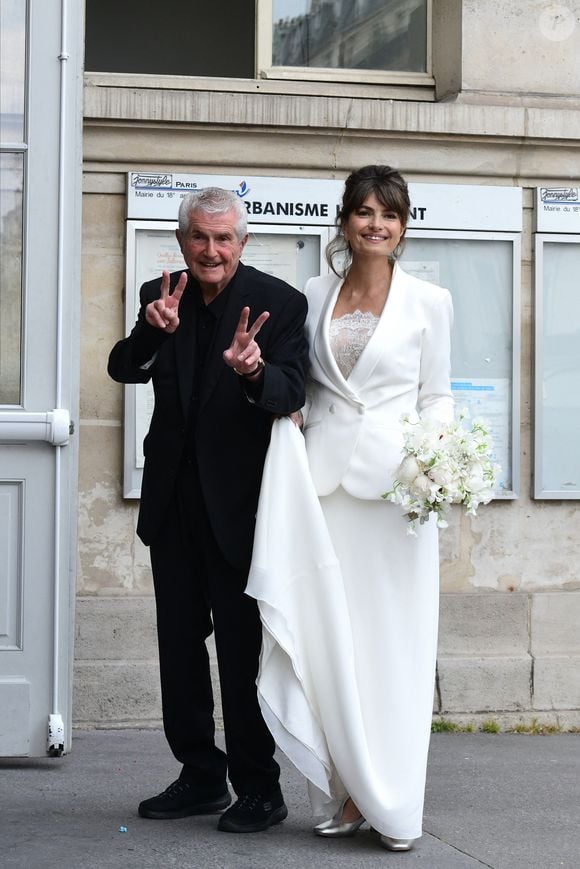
point(349, 606)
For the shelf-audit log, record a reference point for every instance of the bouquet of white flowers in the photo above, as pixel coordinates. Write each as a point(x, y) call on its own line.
point(443, 464)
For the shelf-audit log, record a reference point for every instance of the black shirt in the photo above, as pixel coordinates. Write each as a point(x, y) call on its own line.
point(207, 318)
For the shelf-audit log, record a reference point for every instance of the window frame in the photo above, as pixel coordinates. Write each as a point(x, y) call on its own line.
point(265, 70)
point(513, 238)
point(541, 490)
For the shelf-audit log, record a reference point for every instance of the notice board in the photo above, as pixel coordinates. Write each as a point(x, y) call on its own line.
point(557, 343)
point(464, 237)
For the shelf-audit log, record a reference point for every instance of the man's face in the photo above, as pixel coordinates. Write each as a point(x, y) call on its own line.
point(211, 249)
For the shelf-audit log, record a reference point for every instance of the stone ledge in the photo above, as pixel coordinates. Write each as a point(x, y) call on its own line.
point(109, 693)
point(128, 105)
point(125, 693)
point(115, 628)
point(480, 624)
point(555, 620)
point(564, 720)
point(498, 684)
point(557, 683)
point(303, 152)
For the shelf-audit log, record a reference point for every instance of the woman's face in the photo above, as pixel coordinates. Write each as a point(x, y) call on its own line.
point(372, 229)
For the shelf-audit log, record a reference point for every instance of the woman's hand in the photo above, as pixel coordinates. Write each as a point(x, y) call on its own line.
point(297, 418)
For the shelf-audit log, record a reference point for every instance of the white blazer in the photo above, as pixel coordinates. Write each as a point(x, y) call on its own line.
point(352, 427)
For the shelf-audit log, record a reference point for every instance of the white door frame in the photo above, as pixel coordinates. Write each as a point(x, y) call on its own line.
point(37, 682)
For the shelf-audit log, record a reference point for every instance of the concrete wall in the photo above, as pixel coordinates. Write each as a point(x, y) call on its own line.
point(509, 641)
point(516, 47)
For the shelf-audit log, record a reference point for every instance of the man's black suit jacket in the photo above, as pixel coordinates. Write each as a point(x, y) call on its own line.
point(232, 433)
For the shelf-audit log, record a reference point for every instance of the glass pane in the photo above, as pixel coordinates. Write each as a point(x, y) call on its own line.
point(561, 374)
point(479, 275)
point(12, 69)
point(350, 34)
point(177, 38)
point(292, 257)
point(11, 173)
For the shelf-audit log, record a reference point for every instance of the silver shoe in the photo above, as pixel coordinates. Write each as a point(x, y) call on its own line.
point(335, 828)
point(396, 844)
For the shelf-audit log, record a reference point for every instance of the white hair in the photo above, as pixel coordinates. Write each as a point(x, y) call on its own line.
point(213, 200)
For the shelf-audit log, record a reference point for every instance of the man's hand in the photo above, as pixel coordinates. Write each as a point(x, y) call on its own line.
point(163, 313)
point(244, 354)
point(297, 418)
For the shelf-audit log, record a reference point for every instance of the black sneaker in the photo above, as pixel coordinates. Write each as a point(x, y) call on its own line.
point(182, 799)
point(253, 812)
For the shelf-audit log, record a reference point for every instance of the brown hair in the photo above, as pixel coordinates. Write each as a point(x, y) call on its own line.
point(389, 187)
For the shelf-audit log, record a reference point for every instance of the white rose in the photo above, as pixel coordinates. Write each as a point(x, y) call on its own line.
point(442, 475)
point(423, 487)
point(408, 470)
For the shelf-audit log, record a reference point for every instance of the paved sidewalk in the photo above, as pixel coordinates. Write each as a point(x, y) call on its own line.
point(502, 801)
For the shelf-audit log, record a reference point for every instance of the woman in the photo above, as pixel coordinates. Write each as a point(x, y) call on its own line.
point(348, 669)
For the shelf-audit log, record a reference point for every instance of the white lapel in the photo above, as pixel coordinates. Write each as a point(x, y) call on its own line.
point(389, 321)
point(321, 344)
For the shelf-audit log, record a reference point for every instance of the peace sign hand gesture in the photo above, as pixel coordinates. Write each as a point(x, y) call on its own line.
point(163, 312)
point(244, 354)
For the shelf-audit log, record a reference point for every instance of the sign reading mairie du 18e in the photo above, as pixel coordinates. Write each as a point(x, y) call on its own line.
point(315, 201)
point(558, 208)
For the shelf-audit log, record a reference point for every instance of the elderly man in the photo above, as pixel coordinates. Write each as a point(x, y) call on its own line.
point(219, 382)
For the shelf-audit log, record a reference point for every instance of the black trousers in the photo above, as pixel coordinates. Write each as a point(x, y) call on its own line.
point(197, 590)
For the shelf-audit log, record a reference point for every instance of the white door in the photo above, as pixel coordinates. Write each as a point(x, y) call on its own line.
point(40, 171)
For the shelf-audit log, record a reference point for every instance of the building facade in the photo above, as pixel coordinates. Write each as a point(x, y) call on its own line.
point(451, 92)
point(496, 103)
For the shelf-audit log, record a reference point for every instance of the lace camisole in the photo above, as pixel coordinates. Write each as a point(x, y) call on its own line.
point(349, 335)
